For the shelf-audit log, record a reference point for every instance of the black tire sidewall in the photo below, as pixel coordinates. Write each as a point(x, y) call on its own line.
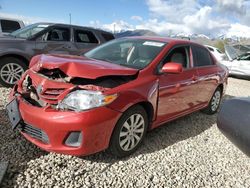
point(7, 60)
point(114, 146)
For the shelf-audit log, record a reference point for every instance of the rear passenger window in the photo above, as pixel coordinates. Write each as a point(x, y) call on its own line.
point(201, 57)
point(107, 36)
point(9, 26)
point(85, 37)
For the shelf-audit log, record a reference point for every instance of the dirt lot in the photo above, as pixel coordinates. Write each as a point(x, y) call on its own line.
point(189, 152)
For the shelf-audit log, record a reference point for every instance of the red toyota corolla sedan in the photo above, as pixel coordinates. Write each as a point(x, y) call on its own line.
point(112, 95)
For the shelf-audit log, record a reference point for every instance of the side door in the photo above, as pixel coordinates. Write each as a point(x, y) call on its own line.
point(57, 40)
point(245, 64)
point(235, 66)
point(84, 40)
point(177, 92)
point(208, 75)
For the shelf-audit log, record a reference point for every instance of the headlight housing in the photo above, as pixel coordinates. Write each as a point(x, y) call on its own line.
point(81, 100)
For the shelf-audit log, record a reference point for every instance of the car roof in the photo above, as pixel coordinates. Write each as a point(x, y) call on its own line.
point(165, 39)
point(10, 19)
point(62, 24)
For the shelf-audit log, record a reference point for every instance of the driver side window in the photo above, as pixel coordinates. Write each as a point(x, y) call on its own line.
point(179, 55)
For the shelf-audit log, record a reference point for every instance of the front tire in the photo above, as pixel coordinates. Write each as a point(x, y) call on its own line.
point(214, 103)
point(11, 70)
point(129, 132)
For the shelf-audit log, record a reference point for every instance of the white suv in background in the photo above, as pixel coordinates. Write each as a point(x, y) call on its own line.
point(238, 65)
point(220, 56)
point(8, 25)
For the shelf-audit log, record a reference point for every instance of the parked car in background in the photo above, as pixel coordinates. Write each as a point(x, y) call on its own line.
point(219, 55)
point(233, 121)
point(110, 97)
point(240, 66)
point(234, 51)
point(19, 47)
point(8, 25)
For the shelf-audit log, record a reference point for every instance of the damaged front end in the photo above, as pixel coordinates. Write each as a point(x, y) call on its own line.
point(55, 88)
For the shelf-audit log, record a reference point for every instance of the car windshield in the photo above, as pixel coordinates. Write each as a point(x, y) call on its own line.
point(134, 53)
point(29, 31)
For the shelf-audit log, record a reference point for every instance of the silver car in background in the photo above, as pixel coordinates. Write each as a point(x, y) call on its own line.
point(218, 54)
point(236, 59)
point(239, 66)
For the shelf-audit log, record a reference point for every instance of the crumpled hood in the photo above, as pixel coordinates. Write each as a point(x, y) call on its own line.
point(77, 66)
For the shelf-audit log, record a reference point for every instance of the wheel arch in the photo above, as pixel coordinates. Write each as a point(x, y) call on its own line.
point(24, 59)
point(148, 107)
point(221, 86)
point(145, 105)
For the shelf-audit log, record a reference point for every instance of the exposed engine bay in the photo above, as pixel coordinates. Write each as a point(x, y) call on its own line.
point(105, 81)
point(37, 96)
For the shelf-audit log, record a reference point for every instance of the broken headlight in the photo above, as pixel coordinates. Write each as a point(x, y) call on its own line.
point(80, 100)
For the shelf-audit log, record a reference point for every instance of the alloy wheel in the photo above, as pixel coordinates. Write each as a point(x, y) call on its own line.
point(131, 132)
point(216, 100)
point(11, 73)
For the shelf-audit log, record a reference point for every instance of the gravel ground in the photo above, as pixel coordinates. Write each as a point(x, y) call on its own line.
point(189, 152)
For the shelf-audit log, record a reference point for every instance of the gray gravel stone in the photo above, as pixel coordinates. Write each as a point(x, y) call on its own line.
point(189, 152)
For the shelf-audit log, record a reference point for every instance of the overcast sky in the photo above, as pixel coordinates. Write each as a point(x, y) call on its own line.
point(209, 17)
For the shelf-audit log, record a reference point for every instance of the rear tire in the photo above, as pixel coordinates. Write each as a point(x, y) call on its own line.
point(11, 70)
point(129, 132)
point(214, 103)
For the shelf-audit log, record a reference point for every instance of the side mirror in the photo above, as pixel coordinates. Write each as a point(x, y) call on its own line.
point(171, 67)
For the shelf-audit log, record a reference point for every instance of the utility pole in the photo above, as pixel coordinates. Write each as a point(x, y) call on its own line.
point(114, 28)
point(70, 18)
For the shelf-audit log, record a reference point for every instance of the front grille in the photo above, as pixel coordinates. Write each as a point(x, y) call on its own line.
point(51, 95)
point(36, 94)
point(35, 133)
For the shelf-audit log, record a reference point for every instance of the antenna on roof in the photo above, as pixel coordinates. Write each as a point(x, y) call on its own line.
point(70, 18)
